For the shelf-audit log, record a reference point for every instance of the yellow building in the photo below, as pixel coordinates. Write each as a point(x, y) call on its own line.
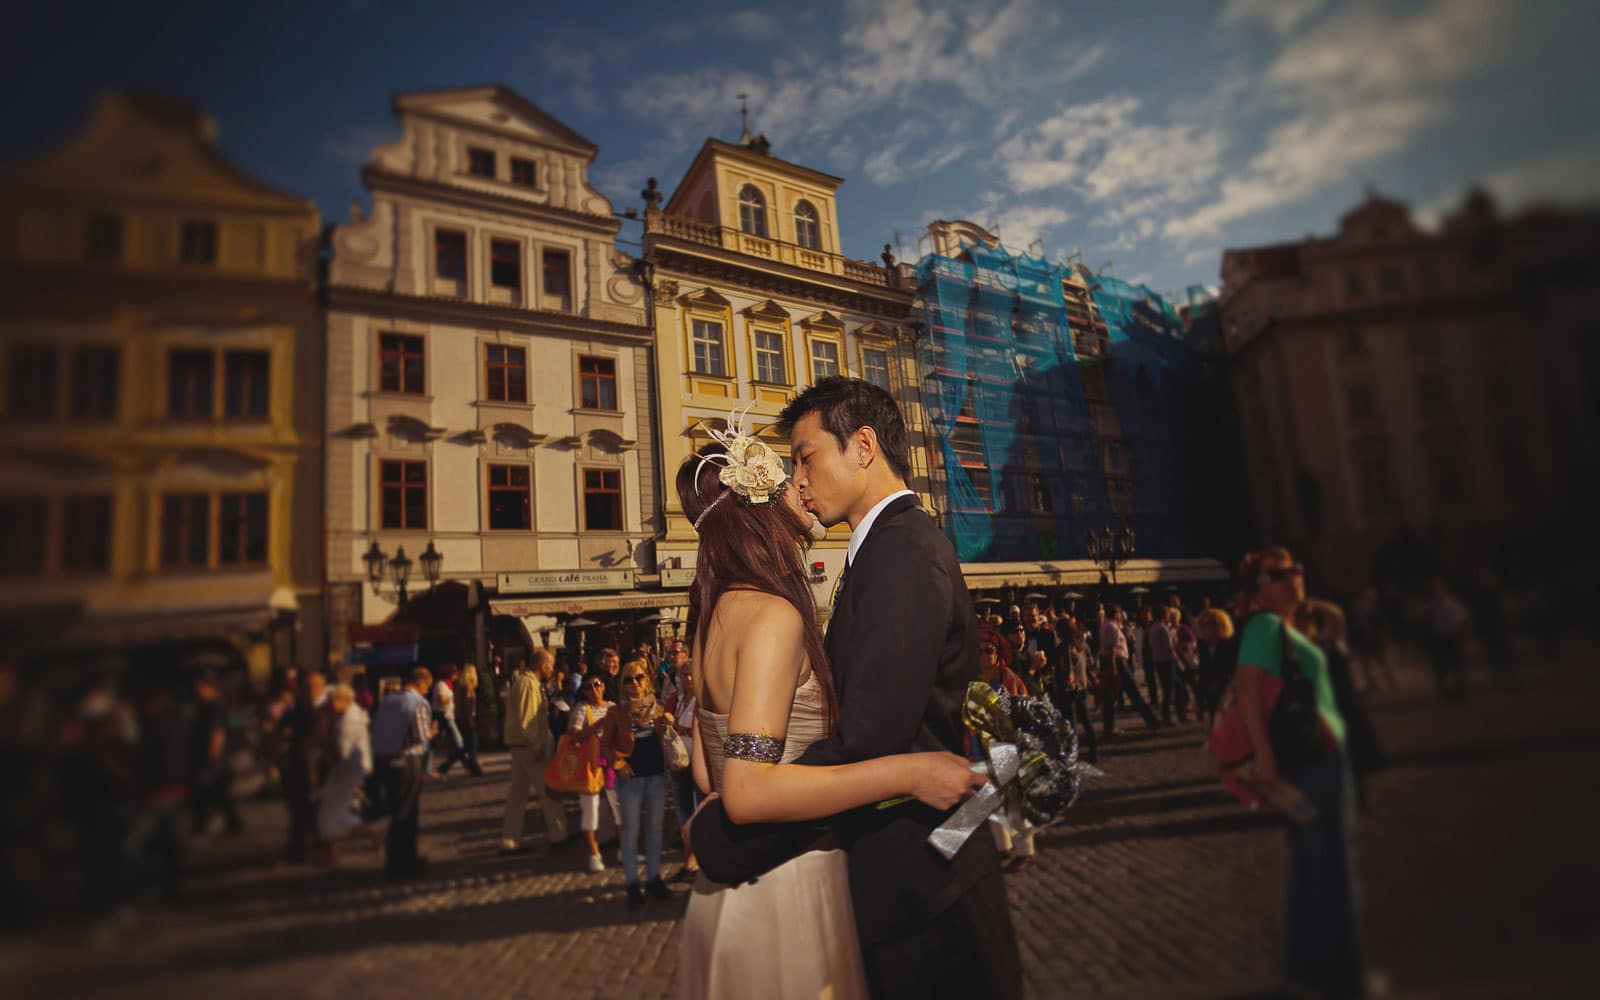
point(753, 302)
point(162, 476)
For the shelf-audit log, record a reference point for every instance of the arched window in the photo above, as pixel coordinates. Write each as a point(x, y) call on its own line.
point(806, 232)
point(752, 211)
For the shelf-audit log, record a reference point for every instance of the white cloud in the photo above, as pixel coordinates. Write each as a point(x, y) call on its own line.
point(1569, 176)
point(1280, 15)
point(1021, 224)
point(906, 56)
point(1306, 155)
point(754, 25)
point(356, 146)
point(1102, 152)
point(883, 167)
point(1361, 85)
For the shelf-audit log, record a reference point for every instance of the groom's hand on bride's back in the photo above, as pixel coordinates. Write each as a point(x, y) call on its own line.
point(943, 779)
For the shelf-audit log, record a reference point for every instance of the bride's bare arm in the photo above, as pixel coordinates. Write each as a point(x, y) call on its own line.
point(756, 789)
point(697, 761)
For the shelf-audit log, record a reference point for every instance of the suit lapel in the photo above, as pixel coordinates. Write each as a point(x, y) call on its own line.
point(841, 623)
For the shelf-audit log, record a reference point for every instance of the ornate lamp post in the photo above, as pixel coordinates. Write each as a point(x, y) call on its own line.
point(1110, 546)
point(398, 568)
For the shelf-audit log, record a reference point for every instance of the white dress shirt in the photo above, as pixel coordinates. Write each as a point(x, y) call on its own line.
point(859, 535)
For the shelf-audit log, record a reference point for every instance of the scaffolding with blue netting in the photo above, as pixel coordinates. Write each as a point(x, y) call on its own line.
point(1005, 402)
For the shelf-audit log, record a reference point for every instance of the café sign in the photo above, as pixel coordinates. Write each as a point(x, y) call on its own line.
point(546, 581)
point(674, 577)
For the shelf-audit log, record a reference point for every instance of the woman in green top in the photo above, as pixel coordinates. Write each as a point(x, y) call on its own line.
point(1324, 955)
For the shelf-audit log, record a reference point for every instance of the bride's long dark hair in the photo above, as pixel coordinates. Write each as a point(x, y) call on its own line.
point(759, 546)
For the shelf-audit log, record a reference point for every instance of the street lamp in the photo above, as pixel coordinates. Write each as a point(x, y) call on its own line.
point(432, 562)
point(398, 568)
point(1110, 546)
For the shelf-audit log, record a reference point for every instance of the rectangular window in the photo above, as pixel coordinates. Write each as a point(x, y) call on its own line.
point(706, 341)
point(824, 359)
point(24, 523)
point(450, 255)
point(506, 374)
point(1039, 495)
point(1351, 343)
point(247, 377)
point(242, 530)
point(505, 264)
point(95, 382)
point(191, 378)
point(400, 363)
point(510, 498)
point(602, 499)
point(102, 238)
point(557, 266)
point(983, 486)
point(199, 244)
point(1355, 286)
point(524, 173)
point(86, 536)
point(597, 382)
point(185, 530)
point(875, 368)
point(769, 358)
point(405, 494)
point(480, 162)
point(33, 381)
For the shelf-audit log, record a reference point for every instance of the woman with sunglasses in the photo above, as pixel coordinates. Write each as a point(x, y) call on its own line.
point(1324, 954)
point(588, 724)
point(633, 733)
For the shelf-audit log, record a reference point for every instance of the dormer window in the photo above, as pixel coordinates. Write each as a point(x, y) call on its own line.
point(752, 211)
point(806, 231)
point(480, 162)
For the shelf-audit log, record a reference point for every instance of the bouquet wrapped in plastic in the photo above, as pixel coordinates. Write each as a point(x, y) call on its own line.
point(1031, 757)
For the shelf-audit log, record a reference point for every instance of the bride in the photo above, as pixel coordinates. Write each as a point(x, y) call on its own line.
point(765, 695)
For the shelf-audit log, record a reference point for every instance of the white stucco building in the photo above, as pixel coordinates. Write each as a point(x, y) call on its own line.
point(488, 369)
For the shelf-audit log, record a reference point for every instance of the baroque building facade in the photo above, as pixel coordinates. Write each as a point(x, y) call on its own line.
point(1417, 401)
point(162, 486)
point(753, 302)
point(489, 386)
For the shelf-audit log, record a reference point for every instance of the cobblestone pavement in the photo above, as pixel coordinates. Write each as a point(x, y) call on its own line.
point(1477, 856)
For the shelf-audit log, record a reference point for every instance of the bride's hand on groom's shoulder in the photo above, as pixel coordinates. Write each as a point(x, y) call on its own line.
point(944, 779)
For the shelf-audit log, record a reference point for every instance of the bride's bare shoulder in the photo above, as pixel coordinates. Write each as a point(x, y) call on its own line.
point(741, 609)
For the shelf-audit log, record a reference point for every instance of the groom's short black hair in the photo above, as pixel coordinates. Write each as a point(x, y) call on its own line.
point(845, 405)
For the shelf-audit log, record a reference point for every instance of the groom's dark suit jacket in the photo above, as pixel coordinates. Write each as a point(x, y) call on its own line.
point(903, 645)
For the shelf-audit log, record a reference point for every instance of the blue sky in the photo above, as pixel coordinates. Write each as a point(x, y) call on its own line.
point(1148, 136)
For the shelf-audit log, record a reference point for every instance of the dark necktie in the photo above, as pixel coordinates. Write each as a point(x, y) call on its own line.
point(838, 588)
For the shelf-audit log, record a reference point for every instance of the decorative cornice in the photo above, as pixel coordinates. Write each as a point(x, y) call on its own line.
point(452, 310)
point(823, 320)
point(767, 310)
point(693, 261)
point(378, 179)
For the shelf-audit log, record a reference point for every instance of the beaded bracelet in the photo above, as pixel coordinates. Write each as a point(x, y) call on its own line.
point(753, 747)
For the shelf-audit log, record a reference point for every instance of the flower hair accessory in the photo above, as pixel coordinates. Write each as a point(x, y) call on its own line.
point(749, 468)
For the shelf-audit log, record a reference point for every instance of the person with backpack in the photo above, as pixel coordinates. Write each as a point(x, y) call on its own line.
point(1300, 740)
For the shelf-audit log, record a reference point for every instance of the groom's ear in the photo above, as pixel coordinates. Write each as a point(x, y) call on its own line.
point(865, 441)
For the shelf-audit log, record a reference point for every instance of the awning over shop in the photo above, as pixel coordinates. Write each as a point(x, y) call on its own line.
point(1083, 572)
point(549, 604)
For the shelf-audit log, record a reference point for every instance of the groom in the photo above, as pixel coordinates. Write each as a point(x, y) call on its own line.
point(903, 644)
